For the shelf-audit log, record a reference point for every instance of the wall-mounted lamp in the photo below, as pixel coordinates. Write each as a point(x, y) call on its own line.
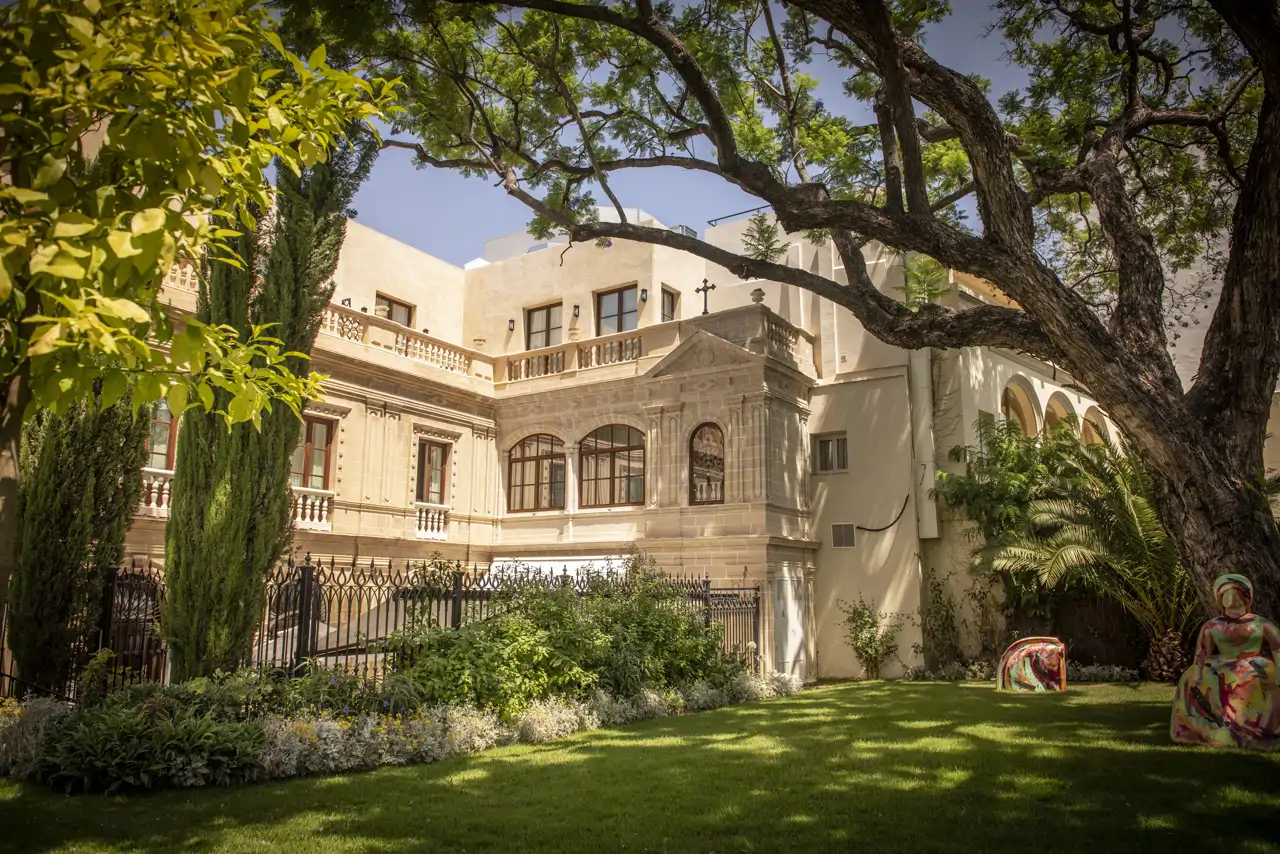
point(575, 309)
point(644, 295)
point(364, 309)
point(511, 325)
point(347, 302)
point(426, 331)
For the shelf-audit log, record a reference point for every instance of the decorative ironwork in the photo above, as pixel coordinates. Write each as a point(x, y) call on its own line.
point(343, 614)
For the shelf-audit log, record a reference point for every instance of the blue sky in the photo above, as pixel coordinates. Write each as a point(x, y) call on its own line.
point(450, 217)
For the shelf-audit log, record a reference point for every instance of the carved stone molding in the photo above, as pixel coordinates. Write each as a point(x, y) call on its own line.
point(428, 431)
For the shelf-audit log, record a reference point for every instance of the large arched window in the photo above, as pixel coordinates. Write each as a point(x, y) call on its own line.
point(706, 465)
point(1016, 406)
point(535, 474)
point(612, 467)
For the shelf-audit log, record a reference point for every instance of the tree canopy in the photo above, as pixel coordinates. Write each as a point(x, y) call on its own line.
point(137, 133)
point(1147, 144)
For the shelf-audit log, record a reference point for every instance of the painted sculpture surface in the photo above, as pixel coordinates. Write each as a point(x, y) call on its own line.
point(1229, 696)
point(1033, 664)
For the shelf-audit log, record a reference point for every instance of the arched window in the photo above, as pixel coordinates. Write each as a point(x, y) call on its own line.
point(1093, 430)
point(706, 465)
point(1015, 407)
point(612, 467)
point(535, 474)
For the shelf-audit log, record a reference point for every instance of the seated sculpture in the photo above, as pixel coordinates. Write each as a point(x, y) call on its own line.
point(1033, 664)
point(1229, 696)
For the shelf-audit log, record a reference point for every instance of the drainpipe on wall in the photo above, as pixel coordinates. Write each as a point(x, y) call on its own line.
point(923, 451)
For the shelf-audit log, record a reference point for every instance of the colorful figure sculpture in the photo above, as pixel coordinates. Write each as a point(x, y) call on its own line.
point(1229, 696)
point(1033, 664)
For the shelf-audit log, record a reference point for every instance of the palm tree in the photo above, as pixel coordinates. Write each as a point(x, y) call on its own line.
point(1104, 532)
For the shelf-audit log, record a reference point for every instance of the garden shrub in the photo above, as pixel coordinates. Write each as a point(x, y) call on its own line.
point(23, 733)
point(701, 696)
point(955, 671)
point(1100, 673)
point(118, 745)
point(872, 634)
point(547, 720)
point(468, 729)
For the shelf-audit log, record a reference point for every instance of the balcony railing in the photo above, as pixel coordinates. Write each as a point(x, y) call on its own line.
point(433, 521)
point(610, 350)
point(422, 348)
point(575, 355)
point(312, 509)
point(181, 277)
point(350, 325)
point(157, 492)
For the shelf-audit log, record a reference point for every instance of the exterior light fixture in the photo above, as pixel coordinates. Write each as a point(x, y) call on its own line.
point(511, 325)
point(644, 295)
point(347, 302)
point(426, 331)
point(364, 309)
point(575, 309)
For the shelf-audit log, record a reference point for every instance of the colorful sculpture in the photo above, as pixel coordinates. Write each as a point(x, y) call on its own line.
point(1229, 696)
point(1033, 664)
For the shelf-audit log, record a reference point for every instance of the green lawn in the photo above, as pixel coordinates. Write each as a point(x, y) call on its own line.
point(868, 767)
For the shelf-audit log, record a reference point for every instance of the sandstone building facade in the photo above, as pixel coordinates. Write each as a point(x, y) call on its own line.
point(562, 405)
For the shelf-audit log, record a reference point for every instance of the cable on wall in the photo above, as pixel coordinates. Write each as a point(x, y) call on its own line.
point(895, 521)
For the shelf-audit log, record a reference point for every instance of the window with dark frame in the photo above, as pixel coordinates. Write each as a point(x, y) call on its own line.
point(542, 327)
point(668, 305)
point(400, 312)
point(310, 469)
point(617, 311)
point(161, 441)
point(706, 465)
point(535, 475)
point(612, 467)
point(830, 454)
point(432, 457)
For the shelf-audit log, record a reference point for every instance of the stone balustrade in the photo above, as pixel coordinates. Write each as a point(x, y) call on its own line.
point(181, 277)
point(157, 493)
point(432, 521)
point(611, 349)
point(312, 509)
point(578, 355)
point(371, 330)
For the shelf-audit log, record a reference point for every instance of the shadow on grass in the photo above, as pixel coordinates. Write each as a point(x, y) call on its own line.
point(876, 767)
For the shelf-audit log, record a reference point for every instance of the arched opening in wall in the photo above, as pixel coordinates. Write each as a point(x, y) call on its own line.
point(535, 474)
point(1093, 430)
point(706, 465)
point(612, 459)
point(1017, 405)
point(1059, 411)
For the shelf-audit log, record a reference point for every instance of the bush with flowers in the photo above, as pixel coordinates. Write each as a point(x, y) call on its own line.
point(553, 662)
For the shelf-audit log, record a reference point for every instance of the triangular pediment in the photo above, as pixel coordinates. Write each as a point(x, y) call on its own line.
point(703, 352)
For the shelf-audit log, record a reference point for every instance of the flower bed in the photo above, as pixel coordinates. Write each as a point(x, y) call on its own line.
point(553, 663)
point(121, 746)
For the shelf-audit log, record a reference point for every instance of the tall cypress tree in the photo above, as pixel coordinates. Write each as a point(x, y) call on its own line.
point(80, 483)
point(230, 519)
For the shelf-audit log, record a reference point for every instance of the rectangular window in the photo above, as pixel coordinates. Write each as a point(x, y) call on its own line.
point(842, 536)
point(431, 461)
point(542, 327)
point(830, 454)
point(310, 468)
point(668, 305)
point(160, 443)
point(616, 311)
point(400, 312)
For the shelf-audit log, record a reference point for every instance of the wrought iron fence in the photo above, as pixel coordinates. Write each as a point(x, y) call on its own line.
point(128, 624)
point(342, 615)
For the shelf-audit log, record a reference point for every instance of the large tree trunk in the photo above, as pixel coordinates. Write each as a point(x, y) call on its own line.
point(13, 400)
point(1211, 502)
